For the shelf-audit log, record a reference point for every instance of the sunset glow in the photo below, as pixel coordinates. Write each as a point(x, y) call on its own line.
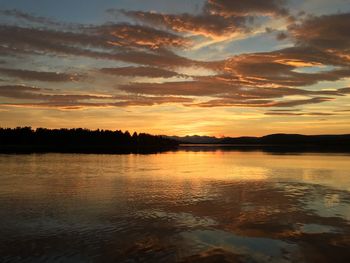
point(206, 67)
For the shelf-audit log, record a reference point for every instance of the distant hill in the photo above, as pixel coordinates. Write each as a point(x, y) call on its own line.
point(195, 139)
point(292, 139)
point(272, 139)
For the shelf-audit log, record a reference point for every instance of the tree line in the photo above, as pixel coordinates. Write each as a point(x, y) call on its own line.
point(80, 139)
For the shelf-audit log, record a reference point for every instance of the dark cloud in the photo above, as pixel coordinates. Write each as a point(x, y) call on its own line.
point(39, 75)
point(346, 110)
point(281, 36)
point(293, 103)
point(163, 59)
point(19, 92)
point(150, 72)
point(328, 32)
point(186, 88)
point(35, 93)
point(229, 8)
point(150, 100)
point(345, 90)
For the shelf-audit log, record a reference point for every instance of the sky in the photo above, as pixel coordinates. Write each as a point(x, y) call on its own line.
point(205, 67)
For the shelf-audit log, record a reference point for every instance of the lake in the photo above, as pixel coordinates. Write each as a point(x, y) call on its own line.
point(190, 205)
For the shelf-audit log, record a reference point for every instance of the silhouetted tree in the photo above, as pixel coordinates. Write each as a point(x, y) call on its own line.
point(80, 140)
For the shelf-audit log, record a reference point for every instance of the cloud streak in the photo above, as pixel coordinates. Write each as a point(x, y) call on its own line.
point(213, 26)
point(228, 8)
point(261, 103)
point(150, 72)
point(40, 75)
point(46, 98)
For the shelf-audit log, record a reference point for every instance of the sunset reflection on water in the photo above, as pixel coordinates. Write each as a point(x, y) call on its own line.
point(185, 206)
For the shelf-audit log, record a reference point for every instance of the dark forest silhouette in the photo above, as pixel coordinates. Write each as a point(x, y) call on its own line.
point(26, 139)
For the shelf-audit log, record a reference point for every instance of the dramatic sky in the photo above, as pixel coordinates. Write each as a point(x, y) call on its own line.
point(176, 67)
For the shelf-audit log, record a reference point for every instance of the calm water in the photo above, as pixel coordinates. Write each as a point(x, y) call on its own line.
point(184, 206)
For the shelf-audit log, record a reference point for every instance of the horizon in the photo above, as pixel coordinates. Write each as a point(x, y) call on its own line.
point(206, 67)
point(172, 135)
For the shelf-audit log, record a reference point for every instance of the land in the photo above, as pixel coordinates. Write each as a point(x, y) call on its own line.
point(28, 140)
point(272, 143)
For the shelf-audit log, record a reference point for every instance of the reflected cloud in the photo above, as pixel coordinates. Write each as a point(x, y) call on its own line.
point(153, 210)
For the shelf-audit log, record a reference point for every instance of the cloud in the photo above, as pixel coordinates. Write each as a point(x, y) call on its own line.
point(229, 8)
point(164, 59)
point(345, 90)
point(322, 43)
point(260, 103)
point(281, 36)
point(76, 105)
point(17, 91)
point(34, 41)
point(224, 87)
point(39, 75)
point(139, 36)
point(28, 17)
point(279, 67)
point(267, 93)
point(150, 72)
point(229, 95)
point(213, 26)
point(106, 35)
point(328, 32)
point(35, 93)
point(186, 88)
point(291, 113)
point(261, 79)
point(219, 19)
point(44, 98)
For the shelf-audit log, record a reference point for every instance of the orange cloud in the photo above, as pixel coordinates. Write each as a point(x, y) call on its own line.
point(278, 67)
point(213, 26)
point(139, 36)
